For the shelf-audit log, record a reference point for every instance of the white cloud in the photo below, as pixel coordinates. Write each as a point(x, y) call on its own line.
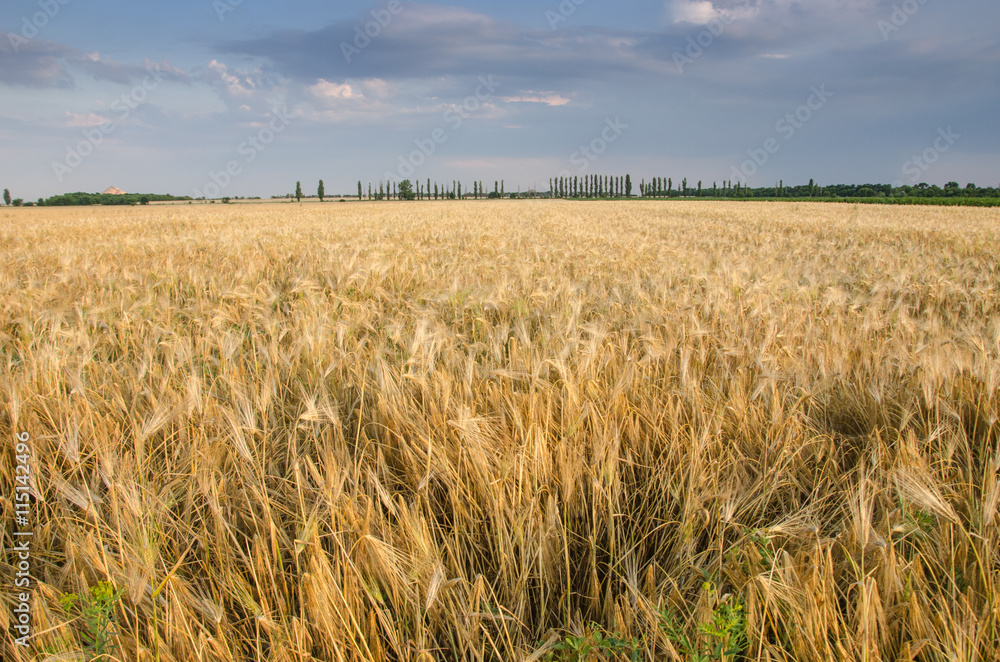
point(327, 90)
point(699, 12)
point(548, 98)
point(238, 84)
point(88, 120)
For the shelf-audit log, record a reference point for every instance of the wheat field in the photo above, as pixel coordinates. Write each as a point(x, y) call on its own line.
point(506, 431)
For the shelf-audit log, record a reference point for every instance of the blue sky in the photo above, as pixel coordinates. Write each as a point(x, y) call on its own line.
point(165, 97)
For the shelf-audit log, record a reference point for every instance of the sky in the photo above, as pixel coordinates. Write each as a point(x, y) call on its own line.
point(246, 97)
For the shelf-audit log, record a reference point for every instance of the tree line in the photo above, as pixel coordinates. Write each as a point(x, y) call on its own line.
point(429, 190)
point(585, 187)
point(621, 186)
point(80, 199)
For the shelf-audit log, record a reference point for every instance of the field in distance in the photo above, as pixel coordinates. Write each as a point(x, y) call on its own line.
point(509, 431)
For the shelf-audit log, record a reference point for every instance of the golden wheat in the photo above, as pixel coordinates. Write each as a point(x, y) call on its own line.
point(471, 431)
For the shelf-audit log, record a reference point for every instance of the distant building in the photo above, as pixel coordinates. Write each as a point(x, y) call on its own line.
point(114, 191)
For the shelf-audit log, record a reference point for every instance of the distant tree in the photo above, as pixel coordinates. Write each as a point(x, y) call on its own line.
point(298, 191)
point(460, 190)
point(501, 188)
point(685, 185)
point(143, 199)
point(435, 191)
point(699, 188)
point(406, 190)
point(670, 185)
point(321, 192)
point(381, 191)
point(6, 197)
point(361, 191)
point(628, 186)
point(812, 188)
point(17, 202)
